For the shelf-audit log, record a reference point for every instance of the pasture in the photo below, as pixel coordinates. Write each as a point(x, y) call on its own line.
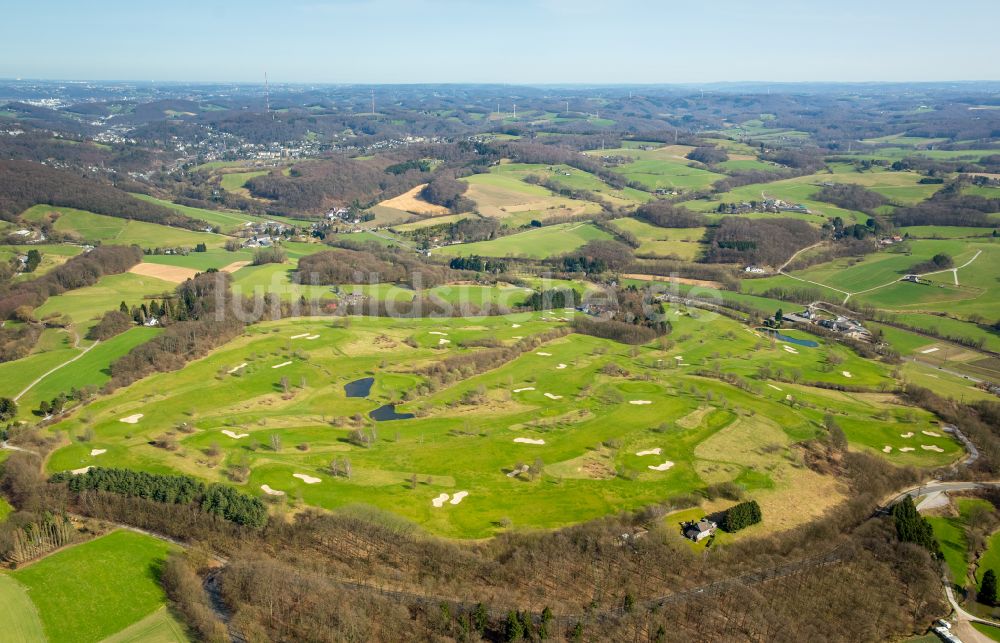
point(84, 306)
point(93, 590)
point(93, 228)
point(226, 220)
point(506, 196)
point(654, 241)
point(599, 441)
point(536, 243)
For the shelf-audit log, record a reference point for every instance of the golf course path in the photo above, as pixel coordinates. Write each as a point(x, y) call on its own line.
point(54, 369)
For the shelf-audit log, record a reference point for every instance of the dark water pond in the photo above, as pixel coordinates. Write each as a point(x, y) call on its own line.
point(808, 343)
point(388, 412)
point(359, 388)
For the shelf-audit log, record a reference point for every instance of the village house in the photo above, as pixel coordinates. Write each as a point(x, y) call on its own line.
point(700, 530)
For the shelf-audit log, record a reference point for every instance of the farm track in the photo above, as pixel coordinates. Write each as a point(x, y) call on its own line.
point(56, 368)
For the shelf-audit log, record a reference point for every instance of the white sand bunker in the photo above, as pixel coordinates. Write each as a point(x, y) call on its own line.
point(443, 341)
point(271, 492)
point(528, 441)
point(458, 497)
point(906, 435)
point(281, 365)
point(98, 451)
point(640, 402)
point(789, 349)
point(440, 500)
point(517, 337)
point(515, 325)
point(846, 373)
point(543, 354)
point(679, 358)
point(887, 449)
point(661, 467)
point(774, 387)
point(907, 449)
point(655, 451)
point(313, 337)
point(526, 388)
point(77, 472)
point(560, 367)
point(306, 478)
point(437, 332)
point(931, 447)
point(237, 368)
point(300, 336)
point(929, 350)
point(553, 397)
point(234, 435)
point(933, 434)
point(132, 419)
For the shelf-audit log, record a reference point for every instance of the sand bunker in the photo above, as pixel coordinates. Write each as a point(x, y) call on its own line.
point(679, 358)
point(931, 447)
point(887, 449)
point(306, 478)
point(440, 500)
point(443, 341)
point(789, 349)
point(517, 337)
point(98, 451)
point(774, 387)
point(907, 449)
point(271, 492)
point(640, 402)
point(281, 364)
point(553, 397)
point(661, 467)
point(526, 388)
point(233, 435)
point(237, 368)
point(528, 441)
point(77, 472)
point(846, 373)
point(543, 354)
point(437, 332)
point(313, 337)
point(929, 350)
point(655, 451)
point(458, 497)
point(932, 434)
point(300, 336)
point(515, 325)
point(132, 419)
point(560, 367)
point(906, 435)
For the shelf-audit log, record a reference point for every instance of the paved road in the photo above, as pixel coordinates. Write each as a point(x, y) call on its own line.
point(935, 487)
point(53, 370)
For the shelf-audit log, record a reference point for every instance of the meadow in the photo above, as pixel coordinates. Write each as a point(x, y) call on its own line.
point(536, 243)
point(507, 196)
point(84, 306)
point(93, 590)
point(94, 228)
point(663, 168)
point(608, 427)
point(654, 241)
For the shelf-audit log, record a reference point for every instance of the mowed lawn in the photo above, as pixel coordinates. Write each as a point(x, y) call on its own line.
point(536, 243)
point(93, 590)
point(19, 620)
point(91, 227)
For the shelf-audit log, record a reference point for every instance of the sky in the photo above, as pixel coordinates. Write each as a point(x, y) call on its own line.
point(501, 41)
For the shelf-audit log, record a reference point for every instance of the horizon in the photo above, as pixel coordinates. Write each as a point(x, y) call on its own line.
point(447, 42)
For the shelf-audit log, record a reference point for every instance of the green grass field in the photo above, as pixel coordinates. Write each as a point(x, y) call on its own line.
point(504, 194)
point(158, 627)
point(84, 306)
point(536, 243)
point(227, 220)
point(18, 615)
point(592, 425)
point(683, 243)
point(93, 228)
point(950, 534)
point(96, 589)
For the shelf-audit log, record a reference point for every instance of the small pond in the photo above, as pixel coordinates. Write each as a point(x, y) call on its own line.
point(359, 388)
point(388, 412)
point(808, 343)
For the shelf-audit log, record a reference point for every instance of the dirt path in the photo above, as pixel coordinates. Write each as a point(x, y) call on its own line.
point(53, 370)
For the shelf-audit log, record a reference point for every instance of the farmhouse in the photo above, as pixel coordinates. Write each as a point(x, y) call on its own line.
point(700, 530)
point(756, 270)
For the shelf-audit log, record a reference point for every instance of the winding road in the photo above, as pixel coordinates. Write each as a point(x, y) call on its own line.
point(53, 370)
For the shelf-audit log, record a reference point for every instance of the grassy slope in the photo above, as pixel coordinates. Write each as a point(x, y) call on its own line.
point(93, 590)
point(536, 243)
point(18, 616)
point(92, 227)
point(86, 305)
